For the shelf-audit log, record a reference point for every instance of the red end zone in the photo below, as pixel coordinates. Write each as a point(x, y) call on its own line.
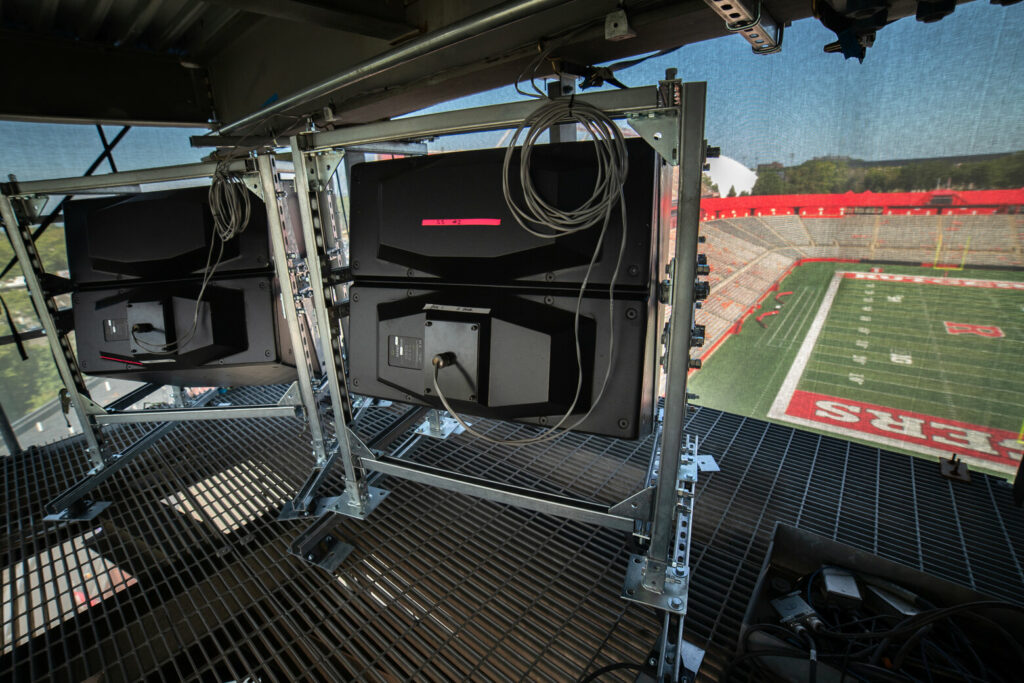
point(951, 436)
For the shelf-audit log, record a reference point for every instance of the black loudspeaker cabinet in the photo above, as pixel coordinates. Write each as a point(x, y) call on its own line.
point(240, 339)
point(444, 218)
point(156, 236)
point(515, 353)
point(137, 264)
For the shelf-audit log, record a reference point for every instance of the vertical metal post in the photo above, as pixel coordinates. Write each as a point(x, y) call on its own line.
point(275, 219)
point(7, 432)
point(63, 356)
point(563, 86)
point(331, 339)
point(692, 146)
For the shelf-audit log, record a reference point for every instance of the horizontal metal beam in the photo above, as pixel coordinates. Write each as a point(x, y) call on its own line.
point(559, 506)
point(190, 414)
point(133, 396)
point(615, 103)
point(111, 181)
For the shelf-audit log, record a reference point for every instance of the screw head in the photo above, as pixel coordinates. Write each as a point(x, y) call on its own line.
point(633, 271)
point(676, 603)
point(355, 382)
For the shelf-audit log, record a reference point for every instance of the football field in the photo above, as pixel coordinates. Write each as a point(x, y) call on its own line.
point(904, 358)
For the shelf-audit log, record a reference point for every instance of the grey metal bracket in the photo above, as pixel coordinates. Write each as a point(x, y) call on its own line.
point(30, 208)
point(291, 396)
point(660, 128)
point(438, 426)
point(637, 506)
point(344, 504)
point(253, 184)
point(325, 165)
point(706, 463)
point(693, 657)
point(656, 584)
point(320, 545)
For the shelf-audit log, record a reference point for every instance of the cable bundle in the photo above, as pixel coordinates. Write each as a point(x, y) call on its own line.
point(862, 643)
point(548, 221)
point(612, 168)
point(231, 207)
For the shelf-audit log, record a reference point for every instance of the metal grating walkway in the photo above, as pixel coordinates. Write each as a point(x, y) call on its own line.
point(187, 576)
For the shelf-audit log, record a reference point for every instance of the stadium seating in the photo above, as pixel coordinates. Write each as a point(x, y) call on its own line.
point(749, 254)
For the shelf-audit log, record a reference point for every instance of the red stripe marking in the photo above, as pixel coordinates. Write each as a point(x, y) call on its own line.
point(445, 222)
point(121, 360)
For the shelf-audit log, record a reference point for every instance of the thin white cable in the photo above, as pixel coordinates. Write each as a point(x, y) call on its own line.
point(554, 431)
point(231, 207)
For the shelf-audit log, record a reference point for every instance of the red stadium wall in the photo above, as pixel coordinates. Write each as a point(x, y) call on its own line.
point(939, 202)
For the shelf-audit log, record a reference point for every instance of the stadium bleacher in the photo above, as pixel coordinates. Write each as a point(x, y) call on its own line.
point(750, 253)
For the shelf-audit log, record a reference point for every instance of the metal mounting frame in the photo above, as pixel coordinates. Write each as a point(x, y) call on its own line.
point(661, 512)
point(17, 209)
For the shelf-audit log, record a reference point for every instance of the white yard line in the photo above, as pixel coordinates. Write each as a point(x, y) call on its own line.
point(782, 399)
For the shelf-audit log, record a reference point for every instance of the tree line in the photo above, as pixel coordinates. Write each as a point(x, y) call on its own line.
point(832, 176)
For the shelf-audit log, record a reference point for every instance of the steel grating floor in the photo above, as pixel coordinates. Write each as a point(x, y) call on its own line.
point(187, 576)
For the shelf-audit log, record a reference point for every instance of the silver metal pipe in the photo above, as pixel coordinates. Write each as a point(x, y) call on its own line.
point(470, 27)
point(614, 103)
point(115, 182)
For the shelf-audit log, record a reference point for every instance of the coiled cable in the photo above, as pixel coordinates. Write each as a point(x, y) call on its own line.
point(548, 221)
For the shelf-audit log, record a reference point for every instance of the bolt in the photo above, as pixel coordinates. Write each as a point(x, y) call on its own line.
point(633, 271)
point(355, 382)
point(311, 557)
point(474, 327)
point(676, 603)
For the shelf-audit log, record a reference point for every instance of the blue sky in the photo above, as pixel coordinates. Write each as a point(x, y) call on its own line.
point(949, 88)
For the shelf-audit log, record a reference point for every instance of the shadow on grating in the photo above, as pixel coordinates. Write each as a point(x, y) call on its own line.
point(187, 575)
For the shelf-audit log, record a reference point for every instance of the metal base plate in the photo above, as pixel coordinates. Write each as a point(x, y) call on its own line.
point(634, 591)
point(78, 514)
point(448, 427)
point(339, 505)
point(320, 545)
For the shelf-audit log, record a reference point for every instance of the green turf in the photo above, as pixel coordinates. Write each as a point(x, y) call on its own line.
point(962, 377)
point(745, 373)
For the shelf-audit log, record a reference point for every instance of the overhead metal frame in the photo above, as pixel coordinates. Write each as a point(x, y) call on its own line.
point(665, 506)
